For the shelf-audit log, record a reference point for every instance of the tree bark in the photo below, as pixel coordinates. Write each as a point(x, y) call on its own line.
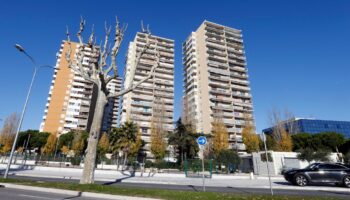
point(90, 158)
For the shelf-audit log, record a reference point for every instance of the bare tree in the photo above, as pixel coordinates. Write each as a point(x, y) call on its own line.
point(282, 125)
point(99, 75)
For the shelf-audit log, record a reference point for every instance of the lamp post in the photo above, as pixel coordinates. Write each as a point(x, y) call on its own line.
point(36, 68)
point(267, 164)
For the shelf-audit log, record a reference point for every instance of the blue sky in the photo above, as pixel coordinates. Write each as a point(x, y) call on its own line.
point(298, 52)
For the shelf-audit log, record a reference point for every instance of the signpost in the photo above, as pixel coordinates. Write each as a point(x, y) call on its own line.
point(202, 140)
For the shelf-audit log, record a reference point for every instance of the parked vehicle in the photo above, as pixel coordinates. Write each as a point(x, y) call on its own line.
point(319, 173)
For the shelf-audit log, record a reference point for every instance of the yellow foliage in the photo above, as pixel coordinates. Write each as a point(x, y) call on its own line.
point(103, 144)
point(250, 139)
point(50, 144)
point(158, 145)
point(65, 150)
point(78, 143)
point(286, 143)
point(20, 150)
point(220, 136)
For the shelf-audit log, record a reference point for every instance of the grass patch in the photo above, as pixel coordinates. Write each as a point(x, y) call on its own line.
point(156, 193)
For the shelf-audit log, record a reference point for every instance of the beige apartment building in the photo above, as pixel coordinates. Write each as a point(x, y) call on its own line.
point(153, 99)
point(71, 101)
point(216, 81)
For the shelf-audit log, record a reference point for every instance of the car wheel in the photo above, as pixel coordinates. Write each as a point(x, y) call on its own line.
point(346, 181)
point(300, 180)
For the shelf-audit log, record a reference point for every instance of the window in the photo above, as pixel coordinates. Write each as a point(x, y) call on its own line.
point(144, 130)
point(330, 166)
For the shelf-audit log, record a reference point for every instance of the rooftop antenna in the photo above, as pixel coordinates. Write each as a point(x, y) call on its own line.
point(67, 33)
point(143, 29)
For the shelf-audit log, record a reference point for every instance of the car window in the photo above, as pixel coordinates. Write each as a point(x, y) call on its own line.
point(330, 166)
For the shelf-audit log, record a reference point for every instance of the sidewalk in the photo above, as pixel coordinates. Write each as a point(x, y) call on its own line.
point(75, 193)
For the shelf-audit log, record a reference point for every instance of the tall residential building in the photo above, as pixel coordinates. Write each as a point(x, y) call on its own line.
point(154, 98)
point(71, 101)
point(216, 81)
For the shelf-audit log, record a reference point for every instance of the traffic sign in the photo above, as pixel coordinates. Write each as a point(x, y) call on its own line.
point(202, 140)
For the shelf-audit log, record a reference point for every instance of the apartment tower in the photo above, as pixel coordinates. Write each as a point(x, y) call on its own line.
point(153, 99)
point(71, 101)
point(216, 81)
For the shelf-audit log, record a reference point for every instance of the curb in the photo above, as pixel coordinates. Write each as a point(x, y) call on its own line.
point(74, 193)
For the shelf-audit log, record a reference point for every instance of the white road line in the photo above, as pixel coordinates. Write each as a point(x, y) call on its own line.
point(35, 197)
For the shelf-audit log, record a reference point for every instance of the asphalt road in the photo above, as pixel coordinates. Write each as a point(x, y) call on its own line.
point(301, 192)
point(18, 194)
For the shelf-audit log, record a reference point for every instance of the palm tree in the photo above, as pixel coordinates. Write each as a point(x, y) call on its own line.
point(122, 139)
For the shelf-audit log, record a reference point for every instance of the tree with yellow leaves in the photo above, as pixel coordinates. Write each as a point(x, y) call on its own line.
point(250, 138)
point(50, 144)
point(158, 132)
point(65, 150)
point(286, 143)
point(158, 146)
point(103, 144)
point(8, 132)
point(220, 136)
point(78, 143)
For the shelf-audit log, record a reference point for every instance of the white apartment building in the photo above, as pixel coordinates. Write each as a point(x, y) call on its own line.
point(140, 105)
point(216, 81)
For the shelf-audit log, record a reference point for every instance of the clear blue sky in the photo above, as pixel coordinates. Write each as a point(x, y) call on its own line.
point(298, 52)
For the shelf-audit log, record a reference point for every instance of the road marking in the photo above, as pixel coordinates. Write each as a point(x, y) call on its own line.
point(35, 197)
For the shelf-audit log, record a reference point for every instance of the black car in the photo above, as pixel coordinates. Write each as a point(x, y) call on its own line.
point(319, 173)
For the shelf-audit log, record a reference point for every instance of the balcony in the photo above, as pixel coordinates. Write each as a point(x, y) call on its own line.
point(238, 87)
point(238, 146)
point(217, 71)
point(222, 107)
point(221, 99)
point(218, 84)
point(242, 82)
point(139, 103)
point(218, 91)
point(237, 94)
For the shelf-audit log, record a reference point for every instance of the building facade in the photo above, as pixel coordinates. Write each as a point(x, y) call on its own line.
point(314, 126)
point(216, 81)
point(71, 101)
point(153, 99)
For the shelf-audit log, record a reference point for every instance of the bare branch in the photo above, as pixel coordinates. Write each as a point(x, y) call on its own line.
point(150, 75)
point(67, 33)
point(81, 29)
point(80, 69)
point(91, 38)
point(105, 51)
point(119, 35)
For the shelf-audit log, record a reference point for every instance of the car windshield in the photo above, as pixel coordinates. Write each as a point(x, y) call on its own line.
point(311, 166)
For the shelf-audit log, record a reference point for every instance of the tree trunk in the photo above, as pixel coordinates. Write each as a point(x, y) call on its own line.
point(118, 162)
point(90, 158)
point(125, 157)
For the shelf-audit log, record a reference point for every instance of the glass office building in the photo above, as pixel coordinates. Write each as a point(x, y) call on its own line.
point(315, 126)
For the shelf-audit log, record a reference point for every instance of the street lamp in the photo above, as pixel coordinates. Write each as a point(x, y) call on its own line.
point(36, 68)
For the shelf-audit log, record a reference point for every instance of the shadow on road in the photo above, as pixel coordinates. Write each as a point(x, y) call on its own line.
point(119, 180)
point(21, 168)
point(73, 197)
point(193, 188)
